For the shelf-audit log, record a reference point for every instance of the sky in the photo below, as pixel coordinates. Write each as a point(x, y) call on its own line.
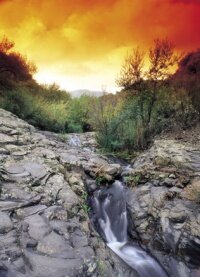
point(81, 44)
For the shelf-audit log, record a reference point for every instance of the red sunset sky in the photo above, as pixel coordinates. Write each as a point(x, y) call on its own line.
point(81, 43)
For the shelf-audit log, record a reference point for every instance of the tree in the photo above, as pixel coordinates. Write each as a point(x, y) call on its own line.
point(13, 66)
point(53, 93)
point(162, 60)
point(6, 45)
point(131, 71)
point(188, 76)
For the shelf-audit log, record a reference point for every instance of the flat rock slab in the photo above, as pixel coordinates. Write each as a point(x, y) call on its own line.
point(45, 266)
point(54, 244)
point(36, 170)
point(5, 139)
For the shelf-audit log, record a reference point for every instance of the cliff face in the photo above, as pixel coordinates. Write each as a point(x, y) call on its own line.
point(44, 226)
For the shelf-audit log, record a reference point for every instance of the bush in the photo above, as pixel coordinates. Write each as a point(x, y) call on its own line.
point(79, 114)
point(129, 128)
point(19, 102)
point(42, 113)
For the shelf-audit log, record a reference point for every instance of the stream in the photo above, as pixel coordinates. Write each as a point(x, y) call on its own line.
point(110, 219)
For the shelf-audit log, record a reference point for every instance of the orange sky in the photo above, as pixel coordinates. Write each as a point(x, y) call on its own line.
point(81, 43)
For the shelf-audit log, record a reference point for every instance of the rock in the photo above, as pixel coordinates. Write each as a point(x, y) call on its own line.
point(26, 212)
point(173, 176)
point(45, 266)
point(5, 139)
point(160, 214)
point(168, 182)
point(113, 169)
point(91, 185)
point(54, 244)
point(79, 239)
point(43, 191)
point(35, 169)
point(5, 223)
point(68, 197)
point(43, 228)
point(38, 228)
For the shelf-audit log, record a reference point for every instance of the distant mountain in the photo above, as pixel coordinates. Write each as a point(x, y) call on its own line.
point(79, 92)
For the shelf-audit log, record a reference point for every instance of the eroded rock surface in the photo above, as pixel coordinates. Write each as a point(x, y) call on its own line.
point(44, 227)
point(164, 204)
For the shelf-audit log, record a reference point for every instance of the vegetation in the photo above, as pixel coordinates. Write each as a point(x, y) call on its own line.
point(150, 101)
point(153, 100)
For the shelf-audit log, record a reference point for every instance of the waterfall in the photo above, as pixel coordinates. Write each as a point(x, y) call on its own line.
point(109, 206)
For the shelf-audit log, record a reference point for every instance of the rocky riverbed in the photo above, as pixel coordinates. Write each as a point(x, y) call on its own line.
point(45, 180)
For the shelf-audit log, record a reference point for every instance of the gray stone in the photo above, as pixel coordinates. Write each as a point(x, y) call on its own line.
point(53, 244)
point(38, 228)
point(5, 223)
point(43, 191)
point(79, 239)
point(45, 266)
point(35, 169)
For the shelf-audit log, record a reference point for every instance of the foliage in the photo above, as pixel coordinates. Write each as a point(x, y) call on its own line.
point(128, 129)
point(162, 60)
point(188, 76)
point(151, 101)
point(133, 180)
point(36, 110)
point(63, 137)
point(148, 106)
point(79, 114)
point(13, 66)
point(100, 180)
point(86, 208)
point(131, 71)
point(101, 268)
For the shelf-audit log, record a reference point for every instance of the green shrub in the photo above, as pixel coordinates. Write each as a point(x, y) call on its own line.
point(36, 110)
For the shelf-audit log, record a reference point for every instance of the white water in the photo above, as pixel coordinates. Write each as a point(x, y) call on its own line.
point(110, 209)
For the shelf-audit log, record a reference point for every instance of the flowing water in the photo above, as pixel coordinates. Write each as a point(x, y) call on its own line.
point(111, 220)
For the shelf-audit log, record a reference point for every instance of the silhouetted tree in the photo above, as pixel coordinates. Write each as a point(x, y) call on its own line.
point(13, 66)
point(162, 58)
point(131, 71)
